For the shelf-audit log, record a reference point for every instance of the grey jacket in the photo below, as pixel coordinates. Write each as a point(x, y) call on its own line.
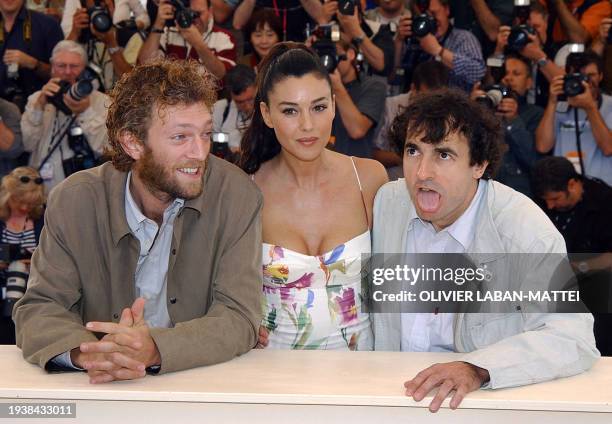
point(83, 269)
point(516, 348)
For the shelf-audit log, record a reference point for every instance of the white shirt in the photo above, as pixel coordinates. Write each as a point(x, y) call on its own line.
point(423, 332)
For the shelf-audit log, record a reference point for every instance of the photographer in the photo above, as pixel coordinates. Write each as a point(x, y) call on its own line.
point(593, 111)
point(539, 49)
point(44, 126)
point(234, 116)
point(22, 200)
point(295, 14)
point(102, 44)
point(196, 37)
point(457, 49)
point(375, 41)
point(26, 41)
point(11, 145)
point(520, 121)
point(360, 102)
point(580, 207)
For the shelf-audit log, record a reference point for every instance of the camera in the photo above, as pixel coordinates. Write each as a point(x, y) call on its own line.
point(519, 34)
point(16, 275)
point(494, 95)
point(183, 14)
point(220, 145)
point(423, 23)
point(572, 84)
point(346, 7)
point(83, 158)
point(16, 281)
point(99, 17)
point(11, 90)
point(325, 46)
point(85, 84)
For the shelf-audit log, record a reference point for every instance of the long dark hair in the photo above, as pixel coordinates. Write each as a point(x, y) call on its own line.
point(288, 59)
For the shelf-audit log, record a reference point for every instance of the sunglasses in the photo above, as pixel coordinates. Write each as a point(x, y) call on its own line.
point(25, 179)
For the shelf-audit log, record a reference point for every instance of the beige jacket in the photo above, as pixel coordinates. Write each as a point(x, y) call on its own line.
point(84, 267)
point(516, 348)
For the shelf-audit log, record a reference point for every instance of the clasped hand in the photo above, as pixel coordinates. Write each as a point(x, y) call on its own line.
point(123, 353)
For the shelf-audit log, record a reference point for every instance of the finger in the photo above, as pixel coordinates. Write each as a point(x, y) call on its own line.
point(101, 378)
point(427, 386)
point(100, 347)
point(458, 396)
point(129, 342)
point(127, 362)
point(412, 385)
point(446, 387)
point(99, 365)
point(126, 374)
point(126, 317)
point(107, 327)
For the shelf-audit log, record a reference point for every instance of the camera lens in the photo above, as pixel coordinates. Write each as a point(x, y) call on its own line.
point(81, 89)
point(101, 20)
point(572, 85)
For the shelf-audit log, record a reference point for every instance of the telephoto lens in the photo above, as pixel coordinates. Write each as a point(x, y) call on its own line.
point(16, 280)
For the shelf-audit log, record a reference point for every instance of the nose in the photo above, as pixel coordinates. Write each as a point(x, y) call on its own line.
point(200, 148)
point(425, 169)
point(305, 121)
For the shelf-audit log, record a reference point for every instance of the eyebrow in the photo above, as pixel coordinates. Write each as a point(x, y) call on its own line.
point(206, 123)
point(445, 150)
point(295, 104)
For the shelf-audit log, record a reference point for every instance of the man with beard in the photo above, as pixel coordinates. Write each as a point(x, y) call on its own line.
point(158, 251)
point(448, 204)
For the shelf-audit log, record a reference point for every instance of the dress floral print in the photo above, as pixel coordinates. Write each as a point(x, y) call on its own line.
point(315, 302)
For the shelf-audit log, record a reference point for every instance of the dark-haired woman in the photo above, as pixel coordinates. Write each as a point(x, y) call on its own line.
point(317, 208)
point(264, 31)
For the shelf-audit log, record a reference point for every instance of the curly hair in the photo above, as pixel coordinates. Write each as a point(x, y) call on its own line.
point(145, 92)
point(437, 114)
point(31, 192)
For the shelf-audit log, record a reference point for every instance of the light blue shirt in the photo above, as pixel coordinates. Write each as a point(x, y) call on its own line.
point(423, 332)
point(596, 164)
point(152, 267)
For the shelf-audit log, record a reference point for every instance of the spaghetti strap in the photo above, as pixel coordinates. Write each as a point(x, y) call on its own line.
point(365, 209)
point(356, 175)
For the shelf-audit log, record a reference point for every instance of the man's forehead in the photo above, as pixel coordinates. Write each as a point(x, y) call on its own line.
point(454, 138)
point(181, 113)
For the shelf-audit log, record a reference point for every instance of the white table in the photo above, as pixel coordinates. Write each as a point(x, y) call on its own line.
point(302, 387)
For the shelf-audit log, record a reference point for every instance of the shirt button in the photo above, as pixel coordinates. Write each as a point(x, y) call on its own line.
point(174, 251)
point(173, 300)
point(116, 316)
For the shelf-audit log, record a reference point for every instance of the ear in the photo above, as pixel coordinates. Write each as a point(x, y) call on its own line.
point(265, 113)
point(571, 185)
point(350, 55)
point(479, 169)
point(131, 145)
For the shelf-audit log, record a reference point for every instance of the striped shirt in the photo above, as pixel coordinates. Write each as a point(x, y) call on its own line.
point(25, 239)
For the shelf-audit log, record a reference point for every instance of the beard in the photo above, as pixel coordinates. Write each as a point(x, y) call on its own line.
point(161, 179)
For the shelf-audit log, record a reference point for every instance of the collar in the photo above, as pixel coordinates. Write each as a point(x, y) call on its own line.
point(464, 228)
point(133, 214)
point(116, 185)
point(486, 243)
